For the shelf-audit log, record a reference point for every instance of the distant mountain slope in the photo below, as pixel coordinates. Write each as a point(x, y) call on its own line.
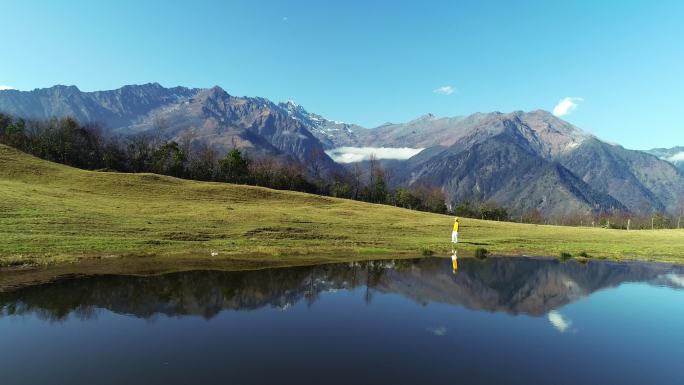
point(115, 109)
point(509, 158)
point(640, 181)
point(674, 155)
point(507, 171)
point(548, 135)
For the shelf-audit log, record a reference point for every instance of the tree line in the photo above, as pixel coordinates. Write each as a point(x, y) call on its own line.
point(84, 146)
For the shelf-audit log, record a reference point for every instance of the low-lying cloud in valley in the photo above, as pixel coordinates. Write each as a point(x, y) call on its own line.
point(359, 154)
point(5, 88)
point(678, 157)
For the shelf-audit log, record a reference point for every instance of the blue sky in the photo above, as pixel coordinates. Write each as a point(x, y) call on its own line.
point(620, 63)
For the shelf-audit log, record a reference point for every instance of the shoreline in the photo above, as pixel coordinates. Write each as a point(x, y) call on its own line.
point(16, 278)
point(57, 220)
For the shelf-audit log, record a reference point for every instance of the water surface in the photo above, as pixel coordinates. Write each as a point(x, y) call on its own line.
point(498, 321)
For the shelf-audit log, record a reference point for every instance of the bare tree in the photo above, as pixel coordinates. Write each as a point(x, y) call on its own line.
point(372, 167)
point(357, 180)
point(680, 212)
point(159, 130)
point(187, 139)
point(203, 163)
point(372, 170)
point(316, 158)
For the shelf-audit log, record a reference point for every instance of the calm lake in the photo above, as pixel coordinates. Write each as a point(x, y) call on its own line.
point(496, 321)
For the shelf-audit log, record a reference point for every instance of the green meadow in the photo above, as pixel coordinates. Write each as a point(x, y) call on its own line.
point(57, 220)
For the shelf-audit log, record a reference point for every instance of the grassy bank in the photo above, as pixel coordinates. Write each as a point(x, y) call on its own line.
point(53, 215)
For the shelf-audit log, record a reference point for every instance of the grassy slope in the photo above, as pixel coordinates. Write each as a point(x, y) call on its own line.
point(51, 213)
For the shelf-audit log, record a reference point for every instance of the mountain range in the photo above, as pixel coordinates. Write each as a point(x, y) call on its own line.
point(212, 116)
point(521, 160)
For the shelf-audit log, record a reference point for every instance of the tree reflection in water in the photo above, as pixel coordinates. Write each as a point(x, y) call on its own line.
point(512, 285)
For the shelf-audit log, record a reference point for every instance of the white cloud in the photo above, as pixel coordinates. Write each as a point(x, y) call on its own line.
point(444, 90)
point(359, 154)
point(3, 87)
point(566, 106)
point(559, 322)
point(285, 18)
point(678, 157)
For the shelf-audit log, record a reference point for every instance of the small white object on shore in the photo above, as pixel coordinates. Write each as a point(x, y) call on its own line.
point(214, 253)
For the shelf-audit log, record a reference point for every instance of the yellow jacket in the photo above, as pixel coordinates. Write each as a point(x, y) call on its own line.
point(456, 226)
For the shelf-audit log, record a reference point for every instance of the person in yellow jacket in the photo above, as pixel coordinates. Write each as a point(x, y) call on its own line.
point(454, 233)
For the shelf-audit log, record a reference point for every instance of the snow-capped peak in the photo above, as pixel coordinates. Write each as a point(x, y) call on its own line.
point(316, 124)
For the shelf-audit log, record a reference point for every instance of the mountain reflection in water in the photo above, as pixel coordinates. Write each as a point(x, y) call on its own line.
point(512, 285)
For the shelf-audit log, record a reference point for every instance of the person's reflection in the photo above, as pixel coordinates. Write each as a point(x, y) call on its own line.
point(454, 261)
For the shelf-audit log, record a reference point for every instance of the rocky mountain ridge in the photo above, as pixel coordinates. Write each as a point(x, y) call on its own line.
point(521, 160)
point(210, 116)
